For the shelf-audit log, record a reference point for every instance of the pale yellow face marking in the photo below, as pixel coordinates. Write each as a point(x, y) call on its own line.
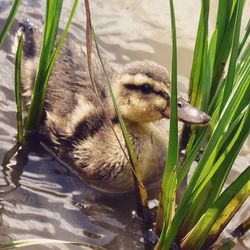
point(136, 109)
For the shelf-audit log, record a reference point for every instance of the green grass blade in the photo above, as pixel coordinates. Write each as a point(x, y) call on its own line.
point(189, 159)
point(89, 39)
point(165, 206)
point(18, 94)
point(200, 51)
point(234, 54)
point(225, 20)
point(172, 155)
point(34, 242)
point(143, 198)
point(218, 215)
point(167, 215)
point(46, 64)
point(243, 62)
point(52, 20)
point(244, 39)
point(39, 89)
point(9, 21)
point(241, 67)
point(197, 208)
point(225, 8)
point(205, 72)
point(59, 44)
point(223, 47)
point(209, 72)
point(221, 174)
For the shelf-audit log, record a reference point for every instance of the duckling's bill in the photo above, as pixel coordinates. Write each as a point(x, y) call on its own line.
point(188, 114)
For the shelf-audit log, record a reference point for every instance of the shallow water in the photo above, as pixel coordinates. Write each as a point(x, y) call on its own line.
point(39, 197)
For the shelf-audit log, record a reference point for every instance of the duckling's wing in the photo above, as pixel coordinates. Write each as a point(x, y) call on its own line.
point(70, 105)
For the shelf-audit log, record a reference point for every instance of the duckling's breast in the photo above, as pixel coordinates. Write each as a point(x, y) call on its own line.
point(150, 148)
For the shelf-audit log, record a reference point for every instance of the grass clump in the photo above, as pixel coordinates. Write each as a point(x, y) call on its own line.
point(204, 210)
point(48, 55)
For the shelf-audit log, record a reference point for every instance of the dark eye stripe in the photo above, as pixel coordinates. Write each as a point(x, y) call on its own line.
point(132, 86)
point(145, 88)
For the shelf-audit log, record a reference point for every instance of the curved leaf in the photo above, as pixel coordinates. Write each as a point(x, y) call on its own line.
point(9, 21)
point(169, 180)
point(18, 94)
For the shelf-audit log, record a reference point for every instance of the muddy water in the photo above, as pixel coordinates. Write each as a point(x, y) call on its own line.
point(39, 197)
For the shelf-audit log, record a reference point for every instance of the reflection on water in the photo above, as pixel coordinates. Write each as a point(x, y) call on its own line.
point(39, 197)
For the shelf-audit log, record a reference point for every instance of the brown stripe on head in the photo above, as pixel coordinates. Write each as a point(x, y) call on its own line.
point(149, 69)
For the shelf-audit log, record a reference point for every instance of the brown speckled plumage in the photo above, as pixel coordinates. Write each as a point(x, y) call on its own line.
point(74, 126)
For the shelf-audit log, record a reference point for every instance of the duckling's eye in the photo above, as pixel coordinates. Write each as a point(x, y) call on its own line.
point(179, 104)
point(146, 89)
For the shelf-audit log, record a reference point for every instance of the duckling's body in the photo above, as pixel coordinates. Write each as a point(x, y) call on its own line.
point(77, 130)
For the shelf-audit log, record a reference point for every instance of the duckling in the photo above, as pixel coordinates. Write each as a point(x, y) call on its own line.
point(78, 131)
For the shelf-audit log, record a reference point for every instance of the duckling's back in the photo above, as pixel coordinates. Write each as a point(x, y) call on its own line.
point(70, 93)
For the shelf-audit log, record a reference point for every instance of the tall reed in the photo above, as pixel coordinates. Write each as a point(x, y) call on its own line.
point(169, 182)
point(18, 93)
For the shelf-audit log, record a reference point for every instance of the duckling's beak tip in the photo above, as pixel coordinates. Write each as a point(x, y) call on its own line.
point(189, 114)
point(205, 121)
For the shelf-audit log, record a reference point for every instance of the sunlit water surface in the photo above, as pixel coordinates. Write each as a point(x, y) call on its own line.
point(39, 197)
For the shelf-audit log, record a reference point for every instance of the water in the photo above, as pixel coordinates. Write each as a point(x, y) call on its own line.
point(39, 197)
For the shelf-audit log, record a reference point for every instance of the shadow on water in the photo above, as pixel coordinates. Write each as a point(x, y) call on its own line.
point(40, 198)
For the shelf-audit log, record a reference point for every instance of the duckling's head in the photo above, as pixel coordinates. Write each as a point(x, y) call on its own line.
point(142, 91)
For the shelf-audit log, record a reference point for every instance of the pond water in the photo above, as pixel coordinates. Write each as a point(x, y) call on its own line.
point(39, 197)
